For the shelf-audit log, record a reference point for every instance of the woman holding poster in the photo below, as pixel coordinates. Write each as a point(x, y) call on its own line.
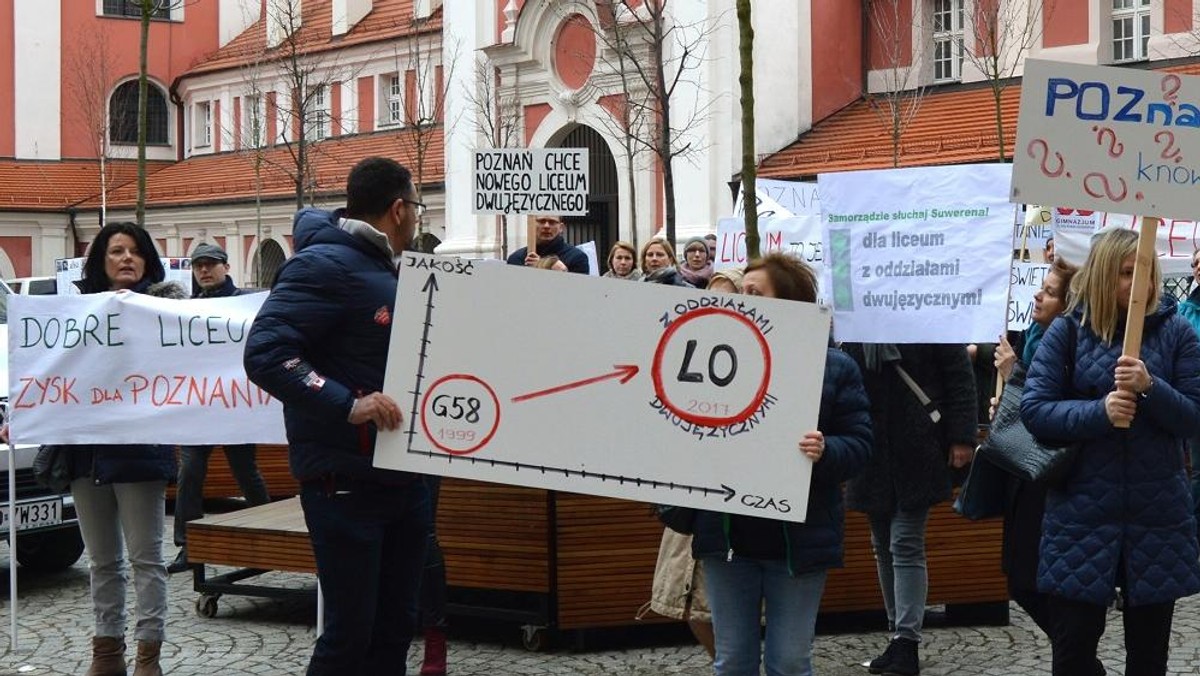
point(1190, 309)
point(750, 561)
point(120, 491)
point(1122, 519)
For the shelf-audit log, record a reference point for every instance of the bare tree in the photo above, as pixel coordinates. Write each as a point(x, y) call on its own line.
point(149, 9)
point(897, 104)
point(657, 54)
point(1003, 31)
point(88, 84)
point(749, 162)
point(416, 99)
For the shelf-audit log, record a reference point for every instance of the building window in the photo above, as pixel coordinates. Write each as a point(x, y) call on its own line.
point(252, 121)
point(947, 40)
point(1131, 29)
point(123, 114)
point(391, 99)
point(160, 10)
point(202, 125)
point(318, 115)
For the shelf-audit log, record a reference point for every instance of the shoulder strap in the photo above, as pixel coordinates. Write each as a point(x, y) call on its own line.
point(930, 406)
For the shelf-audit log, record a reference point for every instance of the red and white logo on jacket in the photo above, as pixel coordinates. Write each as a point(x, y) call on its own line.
point(383, 317)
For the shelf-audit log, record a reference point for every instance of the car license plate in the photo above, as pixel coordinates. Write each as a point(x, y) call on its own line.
point(34, 514)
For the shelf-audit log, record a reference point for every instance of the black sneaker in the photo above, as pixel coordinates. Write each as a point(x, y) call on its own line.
point(180, 564)
point(905, 660)
point(881, 663)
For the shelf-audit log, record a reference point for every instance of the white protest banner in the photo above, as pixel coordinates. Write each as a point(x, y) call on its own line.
point(1110, 139)
point(549, 181)
point(127, 368)
point(649, 392)
point(67, 271)
point(1176, 241)
point(1024, 283)
point(799, 236)
point(780, 199)
point(589, 250)
point(918, 255)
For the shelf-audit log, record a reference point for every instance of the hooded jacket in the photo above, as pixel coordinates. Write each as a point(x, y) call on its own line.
point(1123, 516)
point(321, 339)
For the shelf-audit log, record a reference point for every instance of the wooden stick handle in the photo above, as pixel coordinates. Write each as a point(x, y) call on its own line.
point(1143, 270)
point(530, 238)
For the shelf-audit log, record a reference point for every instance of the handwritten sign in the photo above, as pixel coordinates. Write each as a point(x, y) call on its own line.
point(1120, 140)
point(680, 397)
point(552, 181)
point(918, 255)
point(1177, 239)
point(799, 236)
point(780, 199)
point(120, 368)
point(1025, 281)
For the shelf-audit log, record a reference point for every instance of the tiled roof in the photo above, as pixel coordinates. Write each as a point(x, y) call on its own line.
point(28, 185)
point(952, 126)
point(387, 19)
point(230, 176)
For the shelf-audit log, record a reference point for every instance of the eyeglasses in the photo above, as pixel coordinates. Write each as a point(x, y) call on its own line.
point(421, 208)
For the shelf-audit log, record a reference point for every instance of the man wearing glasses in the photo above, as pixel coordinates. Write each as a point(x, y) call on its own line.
point(319, 345)
point(550, 242)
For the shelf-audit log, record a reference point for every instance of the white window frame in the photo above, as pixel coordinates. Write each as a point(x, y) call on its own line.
point(391, 99)
point(202, 123)
point(951, 37)
point(1133, 15)
point(318, 113)
point(253, 111)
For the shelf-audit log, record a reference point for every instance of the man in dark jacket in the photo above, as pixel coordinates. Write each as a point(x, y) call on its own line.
point(210, 271)
point(550, 242)
point(319, 345)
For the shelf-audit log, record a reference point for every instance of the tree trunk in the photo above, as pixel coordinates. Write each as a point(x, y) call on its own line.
point(749, 161)
point(664, 129)
point(140, 213)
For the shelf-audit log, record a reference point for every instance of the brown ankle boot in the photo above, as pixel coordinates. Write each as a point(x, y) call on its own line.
point(146, 663)
point(108, 656)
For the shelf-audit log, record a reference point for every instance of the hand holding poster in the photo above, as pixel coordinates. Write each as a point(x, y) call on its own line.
point(918, 255)
point(121, 368)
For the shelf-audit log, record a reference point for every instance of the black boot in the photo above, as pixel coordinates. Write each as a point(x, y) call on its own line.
point(905, 659)
point(881, 663)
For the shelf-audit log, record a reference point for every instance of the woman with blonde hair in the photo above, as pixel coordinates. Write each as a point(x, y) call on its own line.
point(660, 265)
point(1122, 519)
point(622, 262)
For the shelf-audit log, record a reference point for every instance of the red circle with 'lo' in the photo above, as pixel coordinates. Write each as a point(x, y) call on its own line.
point(425, 404)
point(711, 421)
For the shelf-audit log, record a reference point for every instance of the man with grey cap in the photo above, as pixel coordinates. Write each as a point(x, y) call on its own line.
point(210, 272)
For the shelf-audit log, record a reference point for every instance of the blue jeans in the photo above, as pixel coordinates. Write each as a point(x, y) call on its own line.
point(193, 468)
point(899, 543)
point(369, 543)
point(736, 591)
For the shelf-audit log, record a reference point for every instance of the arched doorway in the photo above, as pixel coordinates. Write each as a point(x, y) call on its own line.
point(267, 260)
point(601, 224)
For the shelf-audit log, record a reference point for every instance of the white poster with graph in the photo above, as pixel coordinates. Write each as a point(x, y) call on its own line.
point(654, 393)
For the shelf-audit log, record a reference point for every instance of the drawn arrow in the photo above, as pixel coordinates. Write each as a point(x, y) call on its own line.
point(625, 372)
point(430, 286)
point(728, 492)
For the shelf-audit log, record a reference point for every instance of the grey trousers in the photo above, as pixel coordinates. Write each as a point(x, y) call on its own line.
point(899, 542)
point(193, 468)
point(111, 517)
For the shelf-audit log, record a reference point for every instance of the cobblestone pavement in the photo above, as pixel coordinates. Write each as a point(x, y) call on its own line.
point(262, 637)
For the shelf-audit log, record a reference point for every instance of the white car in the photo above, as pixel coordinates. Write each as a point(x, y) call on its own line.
point(33, 286)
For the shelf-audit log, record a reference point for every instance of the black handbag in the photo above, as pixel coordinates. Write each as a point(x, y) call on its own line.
point(52, 468)
point(984, 493)
point(682, 520)
point(1012, 448)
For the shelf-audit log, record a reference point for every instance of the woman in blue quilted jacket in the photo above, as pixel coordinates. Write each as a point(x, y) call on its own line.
point(1190, 309)
point(1123, 517)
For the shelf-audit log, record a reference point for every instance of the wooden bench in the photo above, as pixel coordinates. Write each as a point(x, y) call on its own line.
point(591, 558)
point(272, 464)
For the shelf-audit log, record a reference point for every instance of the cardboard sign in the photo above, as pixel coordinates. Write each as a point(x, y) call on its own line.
point(1120, 140)
point(1024, 282)
point(918, 255)
point(1177, 239)
point(799, 236)
point(637, 391)
point(126, 368)
point(780, 199)
point(549, 181)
